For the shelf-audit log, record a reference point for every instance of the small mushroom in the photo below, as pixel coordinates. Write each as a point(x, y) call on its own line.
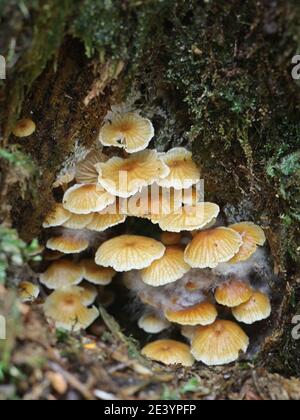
point(184, 173)
point(24, 128)
point(86, 199)
point(127, 130)
point(28, 292)
point(99, 276)
point(204, 313)
point(89, 294)
point(66, 309)
point(171, 238)
point(257, 308)
point(169, 352)
point(219, 344)
point(253, 236)
point(129, 252)
point(212, 247)
point(152, 323)
point(168, 269)
point(126, 177)
point(78, 221)
point(233, 293)
point(57, 217)
point(68, 243)
point(62, 273)
point(86, 172)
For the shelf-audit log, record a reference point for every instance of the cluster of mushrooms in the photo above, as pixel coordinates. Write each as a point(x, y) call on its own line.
point(176, 275)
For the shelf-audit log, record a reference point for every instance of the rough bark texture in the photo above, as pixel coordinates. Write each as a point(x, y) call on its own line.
point(213, 75)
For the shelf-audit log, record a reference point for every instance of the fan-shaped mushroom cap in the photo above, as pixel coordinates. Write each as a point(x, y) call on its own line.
point(86, 172)
point(78, 221)
point(171, 238)
point(66, 310)
point(257, 308)
point(129, 252)
point(62, 273)
point(126, 177)
point(189, 218)
point(211, 247)
point(204, 313)
point(68, 244)
point(168, 269)
point(24, 128)
point(219, 343)
point(97, 275)
point(183, 171)
point(88, 294)
point(87, 198)
point(57, 217)
point(233, 293)
point(152, 323)
point(28, 292)
point(127, 130)
point(109, 217)
point(169, 352)
point(252, 235)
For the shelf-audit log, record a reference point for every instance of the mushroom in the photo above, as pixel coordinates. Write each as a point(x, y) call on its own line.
point(126, 177)
point(86, 199)
point(188, 218)
point(62, 273)
point(257, 308)
point(127, 130)
point(28, 292)
point(168, 269)
point(57, 216)
point(111, 216)
point(219, 344)
point(253, 236)
point(99, 276)
point(24, 128)
point(184, 173)
point(66, 309)
point(129, 252)
point(204, 313)
point(86, 172)
point(64, 180)
point(68, 243)
point(78, 221)
point(212, 247)
point(233, 293)
point(88, 294)
point(152, 323)
point(171, 238)
point(169, 352)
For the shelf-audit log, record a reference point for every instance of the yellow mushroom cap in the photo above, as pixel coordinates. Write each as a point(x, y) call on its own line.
point(24, 128)
point(204, 313)
point(57, 217)
point(68, 244)
point(64, 180)
point(183, 171)
point(88, 294)
point(252, 235)
point(257, 308)
point(86, 172)
point(126, 177)
point(169, 352)
point(212, 247)
point(62, 273)
point(170, 238)
point(99, 276)
point(66, 310)
point(127, 130)
point(78, 221)
point(129, 252)
point(106, 219)
point(189, 218)
point(168, 269)
point(28, 292)
point(233, 293)
point(86, 199)
point(152, 323)
point(219, 344)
